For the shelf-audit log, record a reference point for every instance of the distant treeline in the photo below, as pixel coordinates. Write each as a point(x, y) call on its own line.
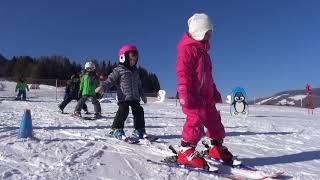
point(60, 67)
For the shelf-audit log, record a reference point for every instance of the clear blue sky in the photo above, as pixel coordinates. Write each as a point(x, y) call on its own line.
point(263, 46)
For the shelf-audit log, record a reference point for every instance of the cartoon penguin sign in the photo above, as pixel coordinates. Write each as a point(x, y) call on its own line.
point(239, 105)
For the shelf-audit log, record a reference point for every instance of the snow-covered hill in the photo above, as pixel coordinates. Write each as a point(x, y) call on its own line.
point(290, 98)
point(271, 138)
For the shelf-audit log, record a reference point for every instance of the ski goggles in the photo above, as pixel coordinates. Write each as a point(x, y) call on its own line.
point(133, 54)
point(90, 69)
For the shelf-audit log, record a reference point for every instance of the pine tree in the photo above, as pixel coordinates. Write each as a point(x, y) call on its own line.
point(60, 67)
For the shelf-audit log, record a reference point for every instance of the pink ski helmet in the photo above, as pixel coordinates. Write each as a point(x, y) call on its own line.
point(124, 49)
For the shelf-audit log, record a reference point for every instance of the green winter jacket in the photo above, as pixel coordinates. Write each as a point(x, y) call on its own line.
point(22, 86)
point(88, 83)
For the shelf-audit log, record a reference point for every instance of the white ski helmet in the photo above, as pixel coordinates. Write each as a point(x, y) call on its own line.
point(89, 66)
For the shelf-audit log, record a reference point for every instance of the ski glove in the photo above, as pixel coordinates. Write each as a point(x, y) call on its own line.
point(99, 89)
point(183, 96)
point(144, 99)
point(98, 95)
point(217, 97)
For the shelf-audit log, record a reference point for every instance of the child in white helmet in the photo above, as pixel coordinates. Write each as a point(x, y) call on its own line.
point(125, 77)
point(88, 83)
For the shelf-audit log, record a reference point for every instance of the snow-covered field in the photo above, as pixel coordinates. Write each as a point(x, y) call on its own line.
point(271, 138)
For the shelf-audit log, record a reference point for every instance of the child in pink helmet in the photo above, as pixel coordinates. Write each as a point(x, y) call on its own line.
point(125, 77)
point(198, 94)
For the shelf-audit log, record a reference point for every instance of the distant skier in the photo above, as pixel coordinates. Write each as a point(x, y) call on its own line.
point(125, 77)
point(88, 83)
point(198, 95)
point(308, 89)
point(309, 98)
point(22, 87)
point(72, 93)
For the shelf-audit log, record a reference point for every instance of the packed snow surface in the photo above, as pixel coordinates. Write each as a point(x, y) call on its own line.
point(271, 138)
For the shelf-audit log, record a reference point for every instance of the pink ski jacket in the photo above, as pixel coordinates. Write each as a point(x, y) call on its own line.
point(196, 86)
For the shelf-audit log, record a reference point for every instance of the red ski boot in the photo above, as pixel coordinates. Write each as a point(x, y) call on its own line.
point(190, 157)
point(217, 151)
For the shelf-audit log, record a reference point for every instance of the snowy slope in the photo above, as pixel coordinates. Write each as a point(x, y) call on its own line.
point(272, 138)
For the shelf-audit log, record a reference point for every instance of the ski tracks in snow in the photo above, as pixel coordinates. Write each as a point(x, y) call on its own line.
point(69, 148)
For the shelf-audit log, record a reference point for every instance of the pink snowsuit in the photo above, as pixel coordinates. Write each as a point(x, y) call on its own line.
point(197, 91)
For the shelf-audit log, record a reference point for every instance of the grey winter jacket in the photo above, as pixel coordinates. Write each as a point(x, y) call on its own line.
point(127, 82)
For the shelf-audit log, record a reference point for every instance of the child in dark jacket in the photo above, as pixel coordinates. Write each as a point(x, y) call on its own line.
point(129, 92)
point(72, 93)
point(88, 83)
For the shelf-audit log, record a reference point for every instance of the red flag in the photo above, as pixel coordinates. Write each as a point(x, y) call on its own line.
point(308, 89)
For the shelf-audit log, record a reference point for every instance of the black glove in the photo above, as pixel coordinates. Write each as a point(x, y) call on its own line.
point(144, 99)
point(98, 95)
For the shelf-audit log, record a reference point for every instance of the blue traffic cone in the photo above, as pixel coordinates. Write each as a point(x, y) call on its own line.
point(25, 129)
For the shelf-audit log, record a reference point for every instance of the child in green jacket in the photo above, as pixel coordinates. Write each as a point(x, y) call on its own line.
point(88, 83)
point(21, 87)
